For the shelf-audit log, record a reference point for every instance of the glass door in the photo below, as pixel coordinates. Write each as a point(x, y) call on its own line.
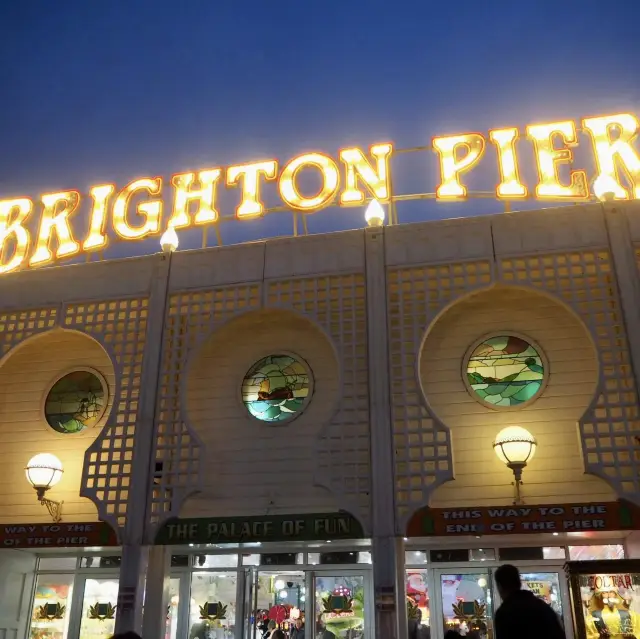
point(51, 611)
point(465, 598)
point(341, 604)
point(279, 596)
point(549, 584)
point(173, 609)
point(97, 605)
point(213, 605)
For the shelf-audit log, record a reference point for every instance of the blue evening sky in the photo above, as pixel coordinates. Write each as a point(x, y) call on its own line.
point(104, 91)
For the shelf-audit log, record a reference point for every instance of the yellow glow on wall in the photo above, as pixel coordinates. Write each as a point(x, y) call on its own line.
point(548, 157)
point(55, 218)
point(510, 185)
point(205, 196)
point(452, 166)
point(289, 191)
point(358, 166)
point(250, 203)
point(13, 215)
point(612, 154)
point(97, 237)
point(150, 210)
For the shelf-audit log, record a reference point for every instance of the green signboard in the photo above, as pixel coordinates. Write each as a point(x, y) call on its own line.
point(322, 526)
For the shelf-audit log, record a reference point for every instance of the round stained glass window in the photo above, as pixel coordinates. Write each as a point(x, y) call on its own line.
point(76, 401)
point(505, 371)
point(276, 388)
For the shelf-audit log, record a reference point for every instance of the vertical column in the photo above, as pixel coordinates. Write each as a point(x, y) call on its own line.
point(624, 261)
point(133, 570)
point(387, 595)
point(134, 559)
point(157, 592)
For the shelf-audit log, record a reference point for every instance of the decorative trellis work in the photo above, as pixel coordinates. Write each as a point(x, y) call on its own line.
point(121, 326)
point(17, 326)
point(586, 281)
point(338, 304)
point(422, 443)
point(192, 317)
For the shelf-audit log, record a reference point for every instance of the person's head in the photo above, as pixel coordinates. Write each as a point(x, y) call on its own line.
point(127, 635)
point(507, 580)
point(271, 625)
point(277, 634)
point(299, 622)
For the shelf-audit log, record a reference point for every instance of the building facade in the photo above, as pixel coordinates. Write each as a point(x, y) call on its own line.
point(307, 428)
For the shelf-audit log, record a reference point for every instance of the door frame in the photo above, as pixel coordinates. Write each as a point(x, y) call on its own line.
point(335, 571)
point(435, 601)
point(434, 585)
point(565, 595)
point(77, 597)
point(186, 583)
point(251, 589)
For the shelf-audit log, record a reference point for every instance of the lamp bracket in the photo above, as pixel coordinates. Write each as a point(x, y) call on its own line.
point(54, 507)
point(517, 469)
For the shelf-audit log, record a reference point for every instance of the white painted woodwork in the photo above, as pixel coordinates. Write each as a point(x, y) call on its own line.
point(252, 467)
point(557, 471)
point(228, 306)
point(26, 374)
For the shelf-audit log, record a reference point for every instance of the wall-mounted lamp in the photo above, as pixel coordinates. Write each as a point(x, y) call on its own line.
point(374, 214)
point(169, 240)
point(43, 472)
point(515, 446)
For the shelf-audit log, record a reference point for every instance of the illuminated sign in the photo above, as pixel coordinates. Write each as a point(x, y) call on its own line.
point(33, 235)
point(608, 582)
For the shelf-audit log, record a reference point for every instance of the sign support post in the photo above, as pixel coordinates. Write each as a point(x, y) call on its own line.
point(135, 549)
point(386, 549)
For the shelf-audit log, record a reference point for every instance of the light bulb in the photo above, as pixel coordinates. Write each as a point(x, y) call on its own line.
point(605, 187)
point(169, 240)
point(515, 445)
point(44, 470)
point(374, 215)
point(279, 584)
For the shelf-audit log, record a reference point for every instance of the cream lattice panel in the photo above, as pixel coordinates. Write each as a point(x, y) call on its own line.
point(16, 326)
point(422, 443)
point(338, 304)
point(121, 326)
point(608, 429)
point(192, 317)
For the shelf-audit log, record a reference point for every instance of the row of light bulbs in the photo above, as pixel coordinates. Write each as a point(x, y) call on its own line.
point(604, 188)
point(374, 216)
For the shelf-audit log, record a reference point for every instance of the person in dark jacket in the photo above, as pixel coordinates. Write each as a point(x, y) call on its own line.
point(298, 630)
point(522, 615)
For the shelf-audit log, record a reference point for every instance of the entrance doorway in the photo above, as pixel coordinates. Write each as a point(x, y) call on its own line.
point(465, 598)
point(238, 604)
point(342, 603)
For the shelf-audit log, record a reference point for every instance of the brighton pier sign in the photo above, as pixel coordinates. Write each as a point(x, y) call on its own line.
point(34, 236)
